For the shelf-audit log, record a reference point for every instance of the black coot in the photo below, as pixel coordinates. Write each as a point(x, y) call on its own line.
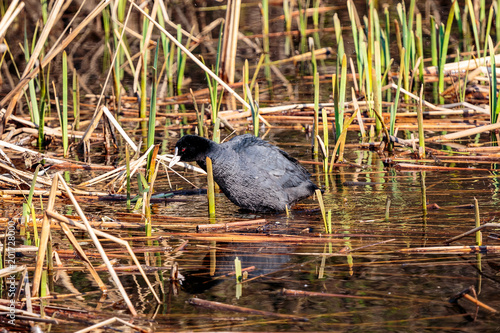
point(252, 173)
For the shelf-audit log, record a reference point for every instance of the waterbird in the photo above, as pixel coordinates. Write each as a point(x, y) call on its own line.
point(254, 174)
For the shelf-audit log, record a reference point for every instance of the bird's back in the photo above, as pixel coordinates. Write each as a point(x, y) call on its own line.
point(259, 176)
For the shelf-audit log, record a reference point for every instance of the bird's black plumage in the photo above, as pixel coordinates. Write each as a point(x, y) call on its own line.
point(251, 172)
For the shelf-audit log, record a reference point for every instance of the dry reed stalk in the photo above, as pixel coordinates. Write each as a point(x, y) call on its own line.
point(229, 225)
point(86, 225)
point(44, 238)
point(9, 16)
point(468, 132)
point(463, 66)
point(108, 322)
point(226, 307)
point(119, 128)
point(97, 244)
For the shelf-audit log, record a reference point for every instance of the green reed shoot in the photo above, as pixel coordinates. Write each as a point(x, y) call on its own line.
point(315, 16)
point(152, 107)
point(181, 62)
point(121, 7)
point(210, 188)
point(339, 40)
point(246, 75)
point(45, 13)
point(265, 38)
point(41, 115)
point(64, 115)
point(339, 145)
point(321, 206)
point(76, 100)
point(443, 52)
point(386, 40)
point(497, 18)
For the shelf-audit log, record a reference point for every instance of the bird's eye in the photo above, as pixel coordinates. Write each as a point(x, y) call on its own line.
point(183, 149)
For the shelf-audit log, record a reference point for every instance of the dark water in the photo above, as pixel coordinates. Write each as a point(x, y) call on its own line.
point(402, 292)
point(395, 291)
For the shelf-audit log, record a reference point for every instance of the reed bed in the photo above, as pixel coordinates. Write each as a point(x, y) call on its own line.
point(421, 109)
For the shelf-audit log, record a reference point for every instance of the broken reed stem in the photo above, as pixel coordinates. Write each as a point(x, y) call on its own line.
point(210, 188)
point(227, 307)
point(479, 303)
point(108, 322)
point(44, 238)
point(71, 222)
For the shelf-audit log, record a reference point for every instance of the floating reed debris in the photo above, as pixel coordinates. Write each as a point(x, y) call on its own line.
point(234, 308)
point(230, 225)
point(466, 294)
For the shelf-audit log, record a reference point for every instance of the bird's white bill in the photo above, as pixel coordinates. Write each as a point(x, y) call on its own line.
point(174, 159)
